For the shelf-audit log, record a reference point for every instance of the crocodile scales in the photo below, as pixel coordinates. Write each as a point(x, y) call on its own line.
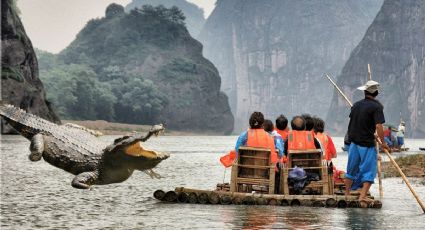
point(77, 150)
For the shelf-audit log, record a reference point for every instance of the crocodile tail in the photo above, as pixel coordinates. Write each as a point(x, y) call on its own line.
point(12, 112)
point(7, 110)
point(17, 114)
point(21, 120)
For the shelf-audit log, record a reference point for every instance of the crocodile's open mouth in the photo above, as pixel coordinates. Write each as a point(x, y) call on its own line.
point(137, 150)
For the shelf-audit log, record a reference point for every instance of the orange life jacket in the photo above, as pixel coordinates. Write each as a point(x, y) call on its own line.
point(300, 140)
point(282, 133)
point(324, 141)
point(261, 139)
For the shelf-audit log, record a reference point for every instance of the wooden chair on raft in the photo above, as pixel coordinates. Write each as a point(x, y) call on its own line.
point(311, 160)
point(253, 171)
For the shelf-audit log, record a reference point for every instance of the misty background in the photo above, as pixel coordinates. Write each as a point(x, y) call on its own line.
point(52, 24)
point(207, 65)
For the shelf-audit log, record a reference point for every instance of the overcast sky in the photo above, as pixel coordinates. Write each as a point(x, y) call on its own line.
point(52, 24)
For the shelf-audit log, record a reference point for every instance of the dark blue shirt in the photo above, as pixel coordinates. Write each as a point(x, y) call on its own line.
point(365, 115)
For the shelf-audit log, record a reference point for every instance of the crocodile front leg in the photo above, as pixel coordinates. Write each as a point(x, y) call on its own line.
point(36, 147)
point(84, 180)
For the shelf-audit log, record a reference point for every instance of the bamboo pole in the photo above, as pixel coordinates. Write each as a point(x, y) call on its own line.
point(381, 192)
point(159, 194)
point(339, 90)
point(405, 180)
point(369, 74)
point(182, 197)
point(193, 198)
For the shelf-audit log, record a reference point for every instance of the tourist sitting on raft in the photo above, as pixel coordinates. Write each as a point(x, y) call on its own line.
point(387, 137)
point(309, 121)
point(282, 127)
point(268, 127)
point(299, 138)
point(325, 140)
point(390, 137)
point(257, 137)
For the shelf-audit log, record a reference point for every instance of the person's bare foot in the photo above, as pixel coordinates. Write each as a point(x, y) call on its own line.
point(366, 202)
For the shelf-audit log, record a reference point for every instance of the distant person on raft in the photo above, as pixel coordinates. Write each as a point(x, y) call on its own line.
point(366, 116)
point(400, 134)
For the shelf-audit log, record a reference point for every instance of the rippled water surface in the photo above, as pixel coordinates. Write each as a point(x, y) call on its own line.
point(38, 195)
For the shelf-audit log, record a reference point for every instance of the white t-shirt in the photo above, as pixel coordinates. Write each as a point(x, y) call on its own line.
point(401, 130)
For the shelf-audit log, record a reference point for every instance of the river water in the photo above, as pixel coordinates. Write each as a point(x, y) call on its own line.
point(38, 195)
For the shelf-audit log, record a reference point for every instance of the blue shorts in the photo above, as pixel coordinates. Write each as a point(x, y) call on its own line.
point(388, 141)
point(400, 141)
point(362, 163)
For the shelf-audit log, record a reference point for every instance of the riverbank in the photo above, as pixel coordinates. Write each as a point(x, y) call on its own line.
point(412, 166)
point(111, 128)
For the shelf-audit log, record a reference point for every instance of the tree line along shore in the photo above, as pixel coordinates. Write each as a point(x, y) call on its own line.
point(111, 128)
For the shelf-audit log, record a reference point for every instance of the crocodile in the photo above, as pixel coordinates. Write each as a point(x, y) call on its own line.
point(79, 151)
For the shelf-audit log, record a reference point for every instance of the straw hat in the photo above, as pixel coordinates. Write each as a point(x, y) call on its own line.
point(370, 86)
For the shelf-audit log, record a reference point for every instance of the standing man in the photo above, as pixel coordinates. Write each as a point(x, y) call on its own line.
point(366, 117)
point(400, 134)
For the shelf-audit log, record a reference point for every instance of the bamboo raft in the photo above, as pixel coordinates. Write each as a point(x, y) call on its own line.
point(197, 196)
point(254, 182)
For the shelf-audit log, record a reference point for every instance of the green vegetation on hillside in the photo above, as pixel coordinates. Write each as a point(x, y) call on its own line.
point(194, 15)
point(89, 80)
point(125, 39)
point(77, 92)
point(140, 67)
